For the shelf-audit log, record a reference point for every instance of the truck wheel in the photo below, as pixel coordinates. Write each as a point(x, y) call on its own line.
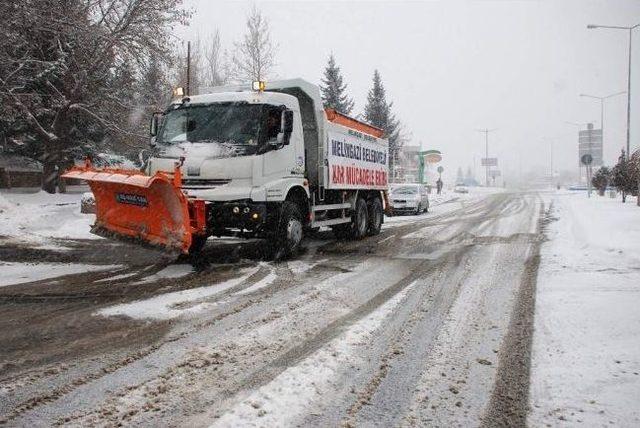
point(375, 217)
point(197, 243)
point(290, 230)
point(360, 220)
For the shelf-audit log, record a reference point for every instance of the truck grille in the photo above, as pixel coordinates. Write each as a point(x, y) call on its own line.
point(203, 183)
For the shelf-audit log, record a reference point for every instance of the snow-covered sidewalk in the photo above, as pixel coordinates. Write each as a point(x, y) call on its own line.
point(40, 219)
point(586, 347)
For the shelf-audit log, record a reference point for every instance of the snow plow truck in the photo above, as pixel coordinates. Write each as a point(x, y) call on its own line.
point(259, 161)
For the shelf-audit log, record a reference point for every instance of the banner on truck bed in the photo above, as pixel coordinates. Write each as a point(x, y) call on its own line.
point(357, 161)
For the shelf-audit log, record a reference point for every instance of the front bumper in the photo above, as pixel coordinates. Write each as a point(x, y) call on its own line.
point(242, 215)
point(404, 206)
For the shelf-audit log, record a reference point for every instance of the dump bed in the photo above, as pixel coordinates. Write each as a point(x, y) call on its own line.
point(356, 156)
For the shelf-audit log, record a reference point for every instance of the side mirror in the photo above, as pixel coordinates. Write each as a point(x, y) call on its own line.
point(287, 121)
point(154, 124)
point(286, 127)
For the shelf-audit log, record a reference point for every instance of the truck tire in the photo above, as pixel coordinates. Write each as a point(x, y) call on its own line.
point(375, 217)
point(359, 225)
point(360, 220)
point(290, 230)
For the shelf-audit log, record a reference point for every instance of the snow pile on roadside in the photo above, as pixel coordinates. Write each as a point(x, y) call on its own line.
point(19, 273)
point(40, 218)
point(586, 354)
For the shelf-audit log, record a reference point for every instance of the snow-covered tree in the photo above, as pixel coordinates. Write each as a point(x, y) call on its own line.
point(378, 112)
point(216, 67)
point(255, 55)
point(601, 178)
point(59, 62)
point(154, 87)
point(635, 165)
point(624, 176)
point(334, 89)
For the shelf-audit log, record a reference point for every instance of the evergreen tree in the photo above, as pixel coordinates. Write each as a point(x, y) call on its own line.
point(600, 179)
point(624, 176)
point(378, 113)
point(334, 90)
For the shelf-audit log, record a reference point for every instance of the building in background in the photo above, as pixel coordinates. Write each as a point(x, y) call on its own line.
point(407, 165)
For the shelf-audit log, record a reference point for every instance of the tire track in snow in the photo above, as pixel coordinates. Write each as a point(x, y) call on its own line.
point(310, 372)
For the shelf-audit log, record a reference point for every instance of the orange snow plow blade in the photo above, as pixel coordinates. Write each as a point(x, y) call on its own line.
point(151, 209)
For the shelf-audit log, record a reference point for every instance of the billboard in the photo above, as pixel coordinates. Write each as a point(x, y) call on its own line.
point(357, 161)
point(590, 143)
point(489, 161)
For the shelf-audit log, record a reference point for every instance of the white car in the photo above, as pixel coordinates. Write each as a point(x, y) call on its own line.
point(409, 198)
point(460, 188)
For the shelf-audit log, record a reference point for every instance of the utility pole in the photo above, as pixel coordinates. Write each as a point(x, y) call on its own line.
point(188, 92)
point(486, 152)
point(551, 160)
point(602, 100)
point(630, 30)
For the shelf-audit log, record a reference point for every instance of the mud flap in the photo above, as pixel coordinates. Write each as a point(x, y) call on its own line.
point(151, 209)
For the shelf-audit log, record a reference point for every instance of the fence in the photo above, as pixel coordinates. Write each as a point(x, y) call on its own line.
point(11, 178)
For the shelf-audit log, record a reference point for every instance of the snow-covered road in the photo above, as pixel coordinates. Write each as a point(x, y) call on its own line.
point(425, 324)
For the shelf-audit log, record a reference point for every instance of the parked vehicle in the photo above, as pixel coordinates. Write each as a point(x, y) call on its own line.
point(460, 188)
point(409, 198)
point(247, 161)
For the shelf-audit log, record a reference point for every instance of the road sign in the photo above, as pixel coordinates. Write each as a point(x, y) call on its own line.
point(440, 169)
point(489, 161)
point(590, 143)
point(586, 159)
point(494, 173)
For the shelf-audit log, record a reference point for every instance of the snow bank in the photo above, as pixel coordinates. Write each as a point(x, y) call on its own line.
point(40, 218)
point(19, 273)
point(586, 351)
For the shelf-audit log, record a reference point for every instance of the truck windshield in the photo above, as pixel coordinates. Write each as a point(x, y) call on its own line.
point(219, 129)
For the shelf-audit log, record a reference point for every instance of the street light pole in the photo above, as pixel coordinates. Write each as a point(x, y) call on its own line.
point(486, 151)
point(602, 109)
point(630, 30)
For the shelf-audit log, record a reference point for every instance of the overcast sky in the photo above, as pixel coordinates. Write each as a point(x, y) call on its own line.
point(452, 67)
